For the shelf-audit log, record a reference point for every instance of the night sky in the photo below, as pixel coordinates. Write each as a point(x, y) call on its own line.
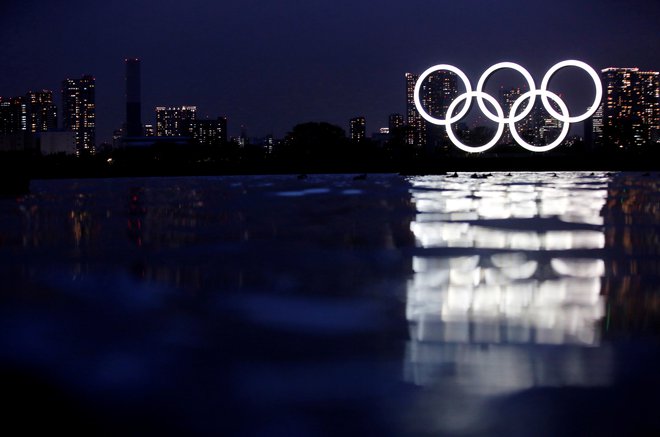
point(271, 64)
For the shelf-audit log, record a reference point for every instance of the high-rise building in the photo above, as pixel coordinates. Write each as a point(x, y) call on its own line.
point(209, 132)
point(438, 92)
point(358, 129)
point(13, 115)
point(631, 109)
point(416, 133)
point(436, 95)
point(79, 111)
point(41, 111)
point(593, 129)
point(133, 98)
point(175, 121)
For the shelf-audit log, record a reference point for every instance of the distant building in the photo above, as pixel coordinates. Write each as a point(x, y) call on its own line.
point(631, 109)
point(416, 132)
point(13, 115)
point(549, 130)
point(436, 95)
point(209, 132)
point(79, 111)
point(508, 97)
point(438, 92)
point(593, 129)
point(174, 121)
point(41, 111)
point(358, 129)
point(54, 142)
point(397, 128)
point(382, 136)
point(133, 98)
point(395, 121)
point(17, 142)
point(597, 125)
point(149, 130)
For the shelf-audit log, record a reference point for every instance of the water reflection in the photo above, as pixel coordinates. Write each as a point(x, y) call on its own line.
point(632, 230)
point(506, 265)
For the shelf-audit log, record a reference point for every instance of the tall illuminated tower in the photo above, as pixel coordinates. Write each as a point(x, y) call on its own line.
point(133, 98)
point(416, 133)
point(436, 94)
point(438, 91)
point(79, 111)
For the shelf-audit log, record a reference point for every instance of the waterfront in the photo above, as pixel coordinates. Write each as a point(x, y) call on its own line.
point(284, 306)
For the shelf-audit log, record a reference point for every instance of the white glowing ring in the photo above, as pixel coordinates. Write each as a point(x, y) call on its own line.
point(564, 117)
point(418, 87)
point(482, 81)
point(594, 77)
point(500, 127)
point(544, 95)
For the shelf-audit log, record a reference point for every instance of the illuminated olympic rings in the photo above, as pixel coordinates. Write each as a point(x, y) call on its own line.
point(513, 117)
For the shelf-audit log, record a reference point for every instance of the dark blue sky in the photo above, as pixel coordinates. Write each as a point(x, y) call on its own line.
point(271, 64)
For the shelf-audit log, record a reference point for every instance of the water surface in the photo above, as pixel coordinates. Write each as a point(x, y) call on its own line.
point(391, 305)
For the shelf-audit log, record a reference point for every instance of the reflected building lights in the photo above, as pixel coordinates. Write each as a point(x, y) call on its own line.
point(502, 272)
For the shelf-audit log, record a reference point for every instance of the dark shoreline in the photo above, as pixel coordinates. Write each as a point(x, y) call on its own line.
point(16, 169)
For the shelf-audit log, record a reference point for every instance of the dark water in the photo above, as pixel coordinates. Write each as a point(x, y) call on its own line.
point(512, 305)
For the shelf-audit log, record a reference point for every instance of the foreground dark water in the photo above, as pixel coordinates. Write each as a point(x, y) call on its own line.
point(513, 305)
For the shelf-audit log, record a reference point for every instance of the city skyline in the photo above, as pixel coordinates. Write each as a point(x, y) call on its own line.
point(268, 67)
point(628, 115)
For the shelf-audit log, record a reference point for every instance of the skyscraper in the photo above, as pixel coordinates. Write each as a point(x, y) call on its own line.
point(436, 95)
point(133, 98)
point(13, 115)
point(631, 110)
point(79, 111)
point(358, 129)
point(416, 133)
point(175, 121)
point(438, 91)
point(41, 111)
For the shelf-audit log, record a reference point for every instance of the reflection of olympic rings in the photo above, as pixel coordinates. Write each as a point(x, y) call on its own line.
point(513, 117)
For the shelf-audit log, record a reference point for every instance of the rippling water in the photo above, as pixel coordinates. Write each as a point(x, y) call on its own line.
point(394, 306)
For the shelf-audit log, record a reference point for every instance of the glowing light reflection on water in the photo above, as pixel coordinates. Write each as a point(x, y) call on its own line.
point(508, 264)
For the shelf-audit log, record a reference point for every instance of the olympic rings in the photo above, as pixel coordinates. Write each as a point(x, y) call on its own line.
point(513, 117)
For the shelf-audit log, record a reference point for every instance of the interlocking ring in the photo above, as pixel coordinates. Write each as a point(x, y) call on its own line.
point(513, 118)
